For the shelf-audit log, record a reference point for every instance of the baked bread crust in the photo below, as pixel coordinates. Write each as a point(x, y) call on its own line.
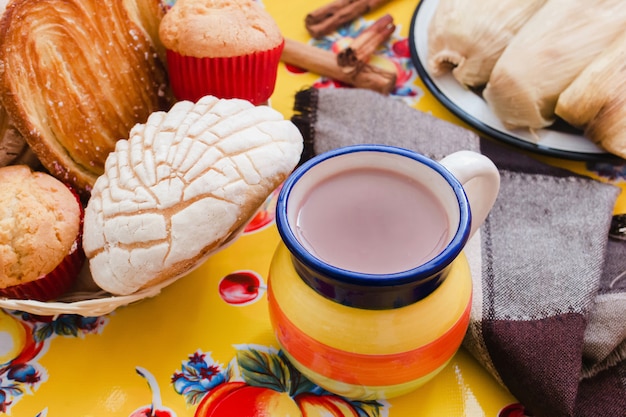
point(39, 222)
point(76, 76)
point(13, 147)
point(218, 28)
point(147, 14)
point(181, 186)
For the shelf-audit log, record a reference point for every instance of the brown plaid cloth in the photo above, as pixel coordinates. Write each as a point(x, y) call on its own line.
point(549, 313)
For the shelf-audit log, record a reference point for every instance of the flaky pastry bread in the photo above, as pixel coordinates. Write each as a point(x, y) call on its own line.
point(148, 15)
point(182, 185)
point(76, 75)
point(13, 147)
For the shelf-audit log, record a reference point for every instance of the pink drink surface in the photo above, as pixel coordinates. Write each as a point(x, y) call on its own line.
point(373, 221)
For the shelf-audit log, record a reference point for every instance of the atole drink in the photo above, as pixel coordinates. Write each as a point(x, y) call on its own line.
point(372, 220)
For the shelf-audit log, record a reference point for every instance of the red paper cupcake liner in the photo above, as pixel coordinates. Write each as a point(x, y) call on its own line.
point(58, 281)
point(250, 77)
point(53, 284)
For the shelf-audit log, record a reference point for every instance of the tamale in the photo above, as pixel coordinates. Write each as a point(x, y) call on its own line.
point(596, 100)
point(545, 56)
point(468, 36)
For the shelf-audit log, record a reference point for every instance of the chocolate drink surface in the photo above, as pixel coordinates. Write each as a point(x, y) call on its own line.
point(372, 220)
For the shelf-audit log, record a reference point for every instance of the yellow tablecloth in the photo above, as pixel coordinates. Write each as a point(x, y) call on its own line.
point(169, 350)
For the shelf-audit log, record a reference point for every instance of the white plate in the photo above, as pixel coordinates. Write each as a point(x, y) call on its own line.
point(471, 108)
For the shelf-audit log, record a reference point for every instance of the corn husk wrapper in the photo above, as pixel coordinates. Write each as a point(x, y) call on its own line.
point(545, 56)
point(596, 100)
point(468, 36)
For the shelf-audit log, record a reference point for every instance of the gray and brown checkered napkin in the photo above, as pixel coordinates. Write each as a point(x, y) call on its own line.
point(548, 319)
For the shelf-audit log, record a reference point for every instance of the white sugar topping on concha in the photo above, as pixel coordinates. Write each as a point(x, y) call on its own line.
point(180, 186)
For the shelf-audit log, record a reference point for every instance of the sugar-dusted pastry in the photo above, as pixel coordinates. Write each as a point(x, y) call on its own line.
point(13, 146)
point(180, 186)
point(77, 75)
point(225, 48)
point(40, 235)
point(468, 42)
point(148, 14)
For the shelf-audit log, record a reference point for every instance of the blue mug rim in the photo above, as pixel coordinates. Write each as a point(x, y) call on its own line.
point(362, 279)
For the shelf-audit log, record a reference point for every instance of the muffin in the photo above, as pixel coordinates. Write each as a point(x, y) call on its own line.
point(224, 48)
point(40, 235)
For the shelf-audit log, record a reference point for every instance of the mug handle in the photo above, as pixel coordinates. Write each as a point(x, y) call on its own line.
point(480, 179)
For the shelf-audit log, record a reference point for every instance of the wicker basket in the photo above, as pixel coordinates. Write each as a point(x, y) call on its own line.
point(86, 299)
point(84, 303)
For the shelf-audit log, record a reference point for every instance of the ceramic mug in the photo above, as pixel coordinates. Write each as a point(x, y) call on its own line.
point(369, 292)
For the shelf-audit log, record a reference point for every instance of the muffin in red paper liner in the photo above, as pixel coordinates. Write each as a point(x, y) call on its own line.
point(251, 77)
point(224, 48)
point(40, 235)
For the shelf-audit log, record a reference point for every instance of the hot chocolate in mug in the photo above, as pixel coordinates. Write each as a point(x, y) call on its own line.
point(369, 292)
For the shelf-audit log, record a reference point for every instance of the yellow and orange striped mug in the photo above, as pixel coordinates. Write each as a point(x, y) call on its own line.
point(369, 291)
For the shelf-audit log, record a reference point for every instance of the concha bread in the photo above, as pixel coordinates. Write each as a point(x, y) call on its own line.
point(218, 28)
point(39, 224)
point(180, 186)
point(76, 76)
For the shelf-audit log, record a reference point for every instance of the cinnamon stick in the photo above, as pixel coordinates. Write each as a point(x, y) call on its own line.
point(365, 44)
point(324, 63)
point(326, 19)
